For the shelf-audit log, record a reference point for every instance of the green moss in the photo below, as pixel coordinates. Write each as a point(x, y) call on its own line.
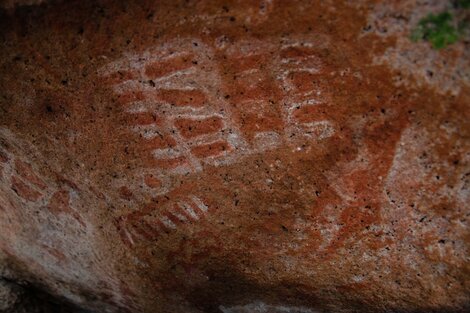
point(463, 3)
point(437, 29)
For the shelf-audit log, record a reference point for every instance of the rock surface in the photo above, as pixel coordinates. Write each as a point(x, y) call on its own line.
point(234, 156)
point(8, 295)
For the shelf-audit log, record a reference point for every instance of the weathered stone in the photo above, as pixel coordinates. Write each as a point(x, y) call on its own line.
point(240, 156)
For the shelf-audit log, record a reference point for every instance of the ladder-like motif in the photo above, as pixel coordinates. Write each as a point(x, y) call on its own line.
point(173, 96)
point(299, 70)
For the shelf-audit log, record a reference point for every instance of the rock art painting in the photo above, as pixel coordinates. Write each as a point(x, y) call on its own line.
point(175, 100)
point(233, 157)
point(187, 117)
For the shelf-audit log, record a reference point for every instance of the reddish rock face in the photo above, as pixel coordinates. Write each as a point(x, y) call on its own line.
point(245, 156)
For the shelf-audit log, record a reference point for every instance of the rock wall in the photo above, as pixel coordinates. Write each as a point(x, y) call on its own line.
point(242, 156)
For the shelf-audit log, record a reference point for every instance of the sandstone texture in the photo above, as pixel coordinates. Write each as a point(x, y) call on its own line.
point(233, 156)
